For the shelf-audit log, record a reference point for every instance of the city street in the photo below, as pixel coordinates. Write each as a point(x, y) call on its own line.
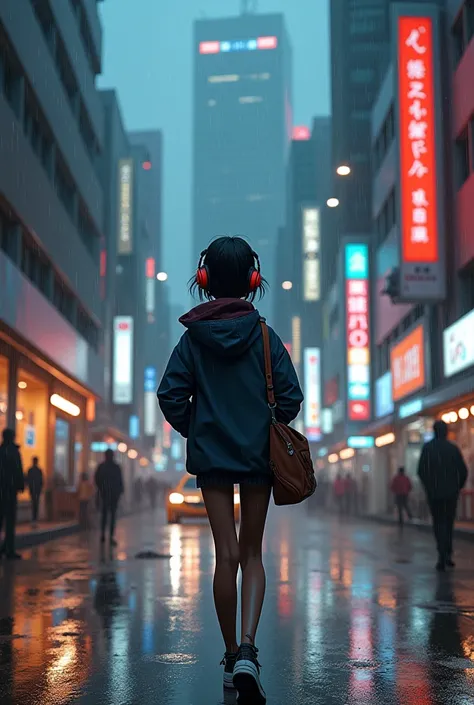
point(354, 614)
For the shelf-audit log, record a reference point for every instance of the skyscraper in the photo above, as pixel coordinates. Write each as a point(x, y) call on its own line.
point(242, 126)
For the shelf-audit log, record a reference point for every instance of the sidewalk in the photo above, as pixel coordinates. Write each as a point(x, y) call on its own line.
point(26, 536)
point(462, 529)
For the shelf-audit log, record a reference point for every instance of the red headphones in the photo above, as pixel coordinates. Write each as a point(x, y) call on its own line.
point(203, 275)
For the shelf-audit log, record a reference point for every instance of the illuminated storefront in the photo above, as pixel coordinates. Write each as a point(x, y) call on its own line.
point(50, 414)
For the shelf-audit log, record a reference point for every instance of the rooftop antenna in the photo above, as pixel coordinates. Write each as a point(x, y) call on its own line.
point(248, 7)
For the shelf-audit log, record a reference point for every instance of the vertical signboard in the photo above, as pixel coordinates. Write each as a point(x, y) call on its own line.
point(123, 360)
point(311, 254)
point(150, 401)
point(125, 205)
point(312, 384)
point(150, 288)
point(356, 263)
point(407, 363)
point(421, 270)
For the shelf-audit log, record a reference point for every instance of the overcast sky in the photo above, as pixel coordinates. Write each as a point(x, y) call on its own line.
point(148, 55)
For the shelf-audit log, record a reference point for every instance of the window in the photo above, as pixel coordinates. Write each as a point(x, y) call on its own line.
point(65, 187)
point(190, 484)
point(462, 163)
point(362, 75)
point(458, 38)
point(470, 19)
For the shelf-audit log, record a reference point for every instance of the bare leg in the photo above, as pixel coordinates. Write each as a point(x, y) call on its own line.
point(254, 507)
point(219, 503)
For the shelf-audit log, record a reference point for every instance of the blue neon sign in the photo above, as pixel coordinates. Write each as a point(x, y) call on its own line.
point(357, 261)
point(360, 442)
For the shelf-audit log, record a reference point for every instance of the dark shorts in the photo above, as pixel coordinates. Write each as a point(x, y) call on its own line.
point(228, 479)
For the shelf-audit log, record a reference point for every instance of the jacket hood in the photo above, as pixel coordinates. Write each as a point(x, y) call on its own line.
point(227, 326)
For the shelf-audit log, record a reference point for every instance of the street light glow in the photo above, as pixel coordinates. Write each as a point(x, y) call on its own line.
point(332, 202)
point(287, 285)
point(343, 170)
point(162, 276)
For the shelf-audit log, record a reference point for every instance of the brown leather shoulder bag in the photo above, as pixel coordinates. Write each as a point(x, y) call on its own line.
point(290, 457)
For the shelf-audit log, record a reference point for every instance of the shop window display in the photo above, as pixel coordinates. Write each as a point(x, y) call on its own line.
point(3, 392)
point(32, 420)
point(62, 433)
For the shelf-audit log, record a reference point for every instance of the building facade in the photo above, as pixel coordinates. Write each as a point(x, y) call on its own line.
point(51, 222)
point(242, 123)
point(420, 298)
point(136, 327)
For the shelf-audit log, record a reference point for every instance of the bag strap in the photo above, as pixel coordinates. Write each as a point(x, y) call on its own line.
point(268, 365)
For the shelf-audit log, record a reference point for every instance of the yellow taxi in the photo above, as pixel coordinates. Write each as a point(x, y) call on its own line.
point(185, 501)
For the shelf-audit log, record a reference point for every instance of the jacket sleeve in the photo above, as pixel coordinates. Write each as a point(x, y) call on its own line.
point(177, 387)
point(120, 485)
point(98, 478)
point(423, 468)
point(19, 476)
point(288, 394)
point(462, 469)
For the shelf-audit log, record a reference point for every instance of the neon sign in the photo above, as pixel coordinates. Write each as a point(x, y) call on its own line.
point(417, 139)
point(357, 331)
point(258, 44)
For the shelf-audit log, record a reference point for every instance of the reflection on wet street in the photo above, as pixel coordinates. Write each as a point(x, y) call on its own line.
point(354, 614)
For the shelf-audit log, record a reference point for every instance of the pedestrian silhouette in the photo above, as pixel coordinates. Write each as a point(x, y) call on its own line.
point(401, 487)
point(35, 486)
point(11, 483)
point(109, 483)
point(443, 474)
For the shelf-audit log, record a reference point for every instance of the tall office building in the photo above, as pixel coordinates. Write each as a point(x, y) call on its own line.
point(359, 58)
point(360, 54)
point(242, 129)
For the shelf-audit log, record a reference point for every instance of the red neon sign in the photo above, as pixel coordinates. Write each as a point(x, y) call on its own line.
point(358, 348)
point(417, 139)
point(209, 47)
point(150, 268)
point(301, 132)
point(267, 43)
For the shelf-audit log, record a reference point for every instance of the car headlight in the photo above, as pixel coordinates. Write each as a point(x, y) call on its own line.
point(176, 498)
point(236, 498)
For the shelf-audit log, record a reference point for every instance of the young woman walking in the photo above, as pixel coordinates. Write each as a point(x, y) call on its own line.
point(213, 392)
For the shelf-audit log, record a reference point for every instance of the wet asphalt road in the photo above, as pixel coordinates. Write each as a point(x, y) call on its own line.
point(355, 614)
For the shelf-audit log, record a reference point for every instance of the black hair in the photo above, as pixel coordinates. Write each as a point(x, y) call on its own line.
point(401, 469)
point(8, 435)
point(229, 260)
point(109, 454)
point(440, 429)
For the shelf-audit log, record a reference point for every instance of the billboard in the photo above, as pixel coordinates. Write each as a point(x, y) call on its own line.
point(458, 345)
point(312, 385)
point(407, 363)
point(356, 267)
point(227, 46)
point(150, 401)
point(383, 395)
point(150, 285)
point(422, 274)
point(125, 204)
point(123, 360)
point(311, 254)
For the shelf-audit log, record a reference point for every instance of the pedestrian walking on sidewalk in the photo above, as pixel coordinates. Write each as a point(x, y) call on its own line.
point(401, 487)
point(443, 474)
point(109, 483)
point(11, 483)
point(34, 480)
point(213, 392)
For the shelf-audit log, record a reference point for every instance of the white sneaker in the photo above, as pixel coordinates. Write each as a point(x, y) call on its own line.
point(228, 662)
point(247, 676)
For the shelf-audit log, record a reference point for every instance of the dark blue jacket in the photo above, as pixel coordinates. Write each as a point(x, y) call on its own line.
point(213, 391)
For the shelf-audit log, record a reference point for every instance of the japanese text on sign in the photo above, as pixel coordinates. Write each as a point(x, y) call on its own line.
point(407, 364)
point(125, 207)
point(357, 332)
point(417, 140)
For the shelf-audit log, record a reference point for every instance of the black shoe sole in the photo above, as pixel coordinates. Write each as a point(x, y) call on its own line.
point(248, 690)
